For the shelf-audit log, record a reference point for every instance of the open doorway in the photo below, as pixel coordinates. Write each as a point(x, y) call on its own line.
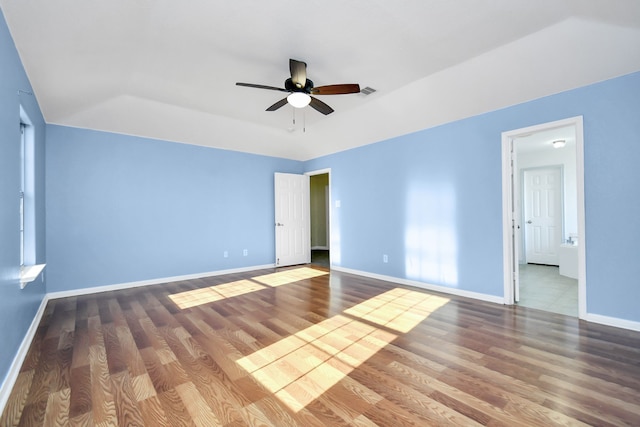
point(543, 201)
point(319, 198)
point(546, 202)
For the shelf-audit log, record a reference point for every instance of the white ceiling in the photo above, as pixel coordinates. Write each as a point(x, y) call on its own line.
point(167, 70)
point(543, 140)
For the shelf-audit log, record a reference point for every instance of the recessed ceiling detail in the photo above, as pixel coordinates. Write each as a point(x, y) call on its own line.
point(168, 71)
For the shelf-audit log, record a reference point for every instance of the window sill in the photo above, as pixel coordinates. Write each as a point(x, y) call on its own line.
point(29, 273)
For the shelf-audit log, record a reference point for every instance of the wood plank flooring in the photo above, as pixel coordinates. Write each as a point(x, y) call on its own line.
point(305, 347)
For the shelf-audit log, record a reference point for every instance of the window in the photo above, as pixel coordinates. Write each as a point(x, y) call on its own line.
point(23, 169)
point(29, 271)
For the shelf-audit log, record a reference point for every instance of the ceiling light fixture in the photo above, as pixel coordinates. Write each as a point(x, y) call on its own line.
point(299, 99)
point(559, 143)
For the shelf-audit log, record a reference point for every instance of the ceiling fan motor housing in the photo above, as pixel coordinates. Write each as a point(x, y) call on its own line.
point(291, 86)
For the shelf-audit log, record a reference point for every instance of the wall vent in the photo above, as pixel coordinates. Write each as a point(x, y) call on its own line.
point(367, 90)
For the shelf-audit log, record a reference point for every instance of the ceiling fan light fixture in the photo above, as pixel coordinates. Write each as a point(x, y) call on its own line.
point(299, 99)
point(559, 143)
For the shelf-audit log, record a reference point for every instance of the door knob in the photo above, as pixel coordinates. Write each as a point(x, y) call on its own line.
point(529, 222)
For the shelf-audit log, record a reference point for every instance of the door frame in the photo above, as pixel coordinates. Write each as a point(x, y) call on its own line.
point(330, 211)
point(510, 238)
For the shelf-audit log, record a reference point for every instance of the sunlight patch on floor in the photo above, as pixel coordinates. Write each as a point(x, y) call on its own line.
point(289, 276)
point(214, 293)
point(398, 309)
point(301, 367)
point(201, 296)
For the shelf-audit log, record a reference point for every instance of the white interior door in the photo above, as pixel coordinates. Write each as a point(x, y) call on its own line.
point(293, 242)
point(542, 214)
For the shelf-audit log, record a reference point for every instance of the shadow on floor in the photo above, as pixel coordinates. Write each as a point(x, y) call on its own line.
point(320, 257)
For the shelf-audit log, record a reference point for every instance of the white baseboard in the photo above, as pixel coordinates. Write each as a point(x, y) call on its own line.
point(423, 285)
point(613, 321)
point(594, 318)
point(128, 285)
point(18, 360)
point(319, 248)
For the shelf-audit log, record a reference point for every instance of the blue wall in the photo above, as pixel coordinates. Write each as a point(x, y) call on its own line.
point(431, 200)
point(17, 307)
point(123, 209)
point(612, 195)
point(426, 200)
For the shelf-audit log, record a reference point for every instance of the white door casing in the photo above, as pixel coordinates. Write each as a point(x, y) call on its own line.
point(292, 219)
point(542, 214)
point(510, 221)
point(515, 221)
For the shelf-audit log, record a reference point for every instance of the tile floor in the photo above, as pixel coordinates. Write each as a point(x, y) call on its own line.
point(542, 287)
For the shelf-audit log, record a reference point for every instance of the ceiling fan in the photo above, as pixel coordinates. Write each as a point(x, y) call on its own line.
point(300, 89)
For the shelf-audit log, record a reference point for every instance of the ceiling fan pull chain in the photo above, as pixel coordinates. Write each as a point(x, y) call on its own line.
point(304, 120)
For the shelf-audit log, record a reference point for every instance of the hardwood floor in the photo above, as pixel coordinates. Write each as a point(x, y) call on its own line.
point(302, 347)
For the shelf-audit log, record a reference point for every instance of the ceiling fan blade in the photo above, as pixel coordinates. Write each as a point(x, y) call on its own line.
point(320, 106)
point(336, 89)
point(262, 87)
point(298, 73)
point(277, 105)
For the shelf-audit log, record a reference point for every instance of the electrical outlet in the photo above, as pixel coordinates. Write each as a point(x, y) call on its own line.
point(385, 258)
point(245, 252)
point(225, 254)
